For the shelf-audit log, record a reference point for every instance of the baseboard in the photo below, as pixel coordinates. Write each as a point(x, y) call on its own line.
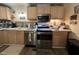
point(13, 44)
point(58, 47)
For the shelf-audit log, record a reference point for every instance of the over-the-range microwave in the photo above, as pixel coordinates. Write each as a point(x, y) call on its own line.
point(43, 18)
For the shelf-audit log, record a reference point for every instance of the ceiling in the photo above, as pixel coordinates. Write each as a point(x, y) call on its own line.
point(17, 5)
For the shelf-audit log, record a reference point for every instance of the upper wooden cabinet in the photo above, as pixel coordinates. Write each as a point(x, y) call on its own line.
point(57, 12)
point(43, 10)
point(9, 13)
point(5, 13)
point(31, 12)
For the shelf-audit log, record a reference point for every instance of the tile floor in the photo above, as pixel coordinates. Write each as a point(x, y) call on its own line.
point(34, 51)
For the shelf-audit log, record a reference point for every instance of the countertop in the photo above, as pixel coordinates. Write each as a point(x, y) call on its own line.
point(18, 29)
point(26, 29)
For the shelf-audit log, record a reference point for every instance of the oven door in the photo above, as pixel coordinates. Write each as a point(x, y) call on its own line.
point(44, 35)
point(44, 39)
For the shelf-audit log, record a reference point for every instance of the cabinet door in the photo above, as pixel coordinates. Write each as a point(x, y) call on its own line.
point(1, 36)
point(8, 13)
point(57, 12)
point(12, 36)
point(4, 13)
point(60, 12)
point(59, 39)
point(53, 12)
point(0, 13)
point(47, 9)
point(43, 10)
point(31, 12)
point(5, 37)
point(20, 37)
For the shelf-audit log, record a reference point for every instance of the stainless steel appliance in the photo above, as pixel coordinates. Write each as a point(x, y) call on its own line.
point(43, 18)
point(44, 39)
point(44, 36)
point(30, 40)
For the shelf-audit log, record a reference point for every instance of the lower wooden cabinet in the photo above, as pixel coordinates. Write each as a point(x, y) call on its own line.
point(59, 39)
point(17, 37)
point(12, 36)
point(1, 36)
point(20, 37)
point(5, 37)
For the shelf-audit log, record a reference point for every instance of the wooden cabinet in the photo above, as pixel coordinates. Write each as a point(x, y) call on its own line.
point(5, 13)
point(43, 10)
point(59, 39)
point(5, 37)
point(60, 10)
point(9, 13)
point(12, 36)
point(57, 12)
point(1, 36)
point(20, 37)
point(0, 13)
point(53, 12)
point(32, 12)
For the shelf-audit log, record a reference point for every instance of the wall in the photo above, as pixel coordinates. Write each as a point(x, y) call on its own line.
point(55, 21)
point(69, 10)
point(18, 7)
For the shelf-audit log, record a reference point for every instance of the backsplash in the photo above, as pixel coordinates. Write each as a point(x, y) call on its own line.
point(7, 24)
point(25, 25)
point(56, 21)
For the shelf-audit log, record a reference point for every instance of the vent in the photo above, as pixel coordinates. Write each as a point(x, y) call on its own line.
point(56, 4)
point(32, 4)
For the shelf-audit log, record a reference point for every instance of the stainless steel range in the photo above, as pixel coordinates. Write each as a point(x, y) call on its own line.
point(44, 36)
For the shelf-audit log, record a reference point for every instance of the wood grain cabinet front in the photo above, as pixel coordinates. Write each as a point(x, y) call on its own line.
point(57, 12)
point(5, 13)
point(43, 10)
point(1, 36)
point(31, 13)
point(20, 37)
point(9, 13)
point(59, 39)
point(5, 37)
point(12, 36)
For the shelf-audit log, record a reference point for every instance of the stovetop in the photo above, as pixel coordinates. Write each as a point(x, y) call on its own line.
point(43, 27)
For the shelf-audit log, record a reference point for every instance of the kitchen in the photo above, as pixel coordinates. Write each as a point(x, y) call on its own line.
point(45, 28)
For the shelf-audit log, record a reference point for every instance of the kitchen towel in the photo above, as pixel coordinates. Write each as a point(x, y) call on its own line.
point(12, 50)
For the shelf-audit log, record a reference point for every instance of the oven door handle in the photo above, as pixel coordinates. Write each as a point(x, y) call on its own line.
point(39, 33)
point(43, 33)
